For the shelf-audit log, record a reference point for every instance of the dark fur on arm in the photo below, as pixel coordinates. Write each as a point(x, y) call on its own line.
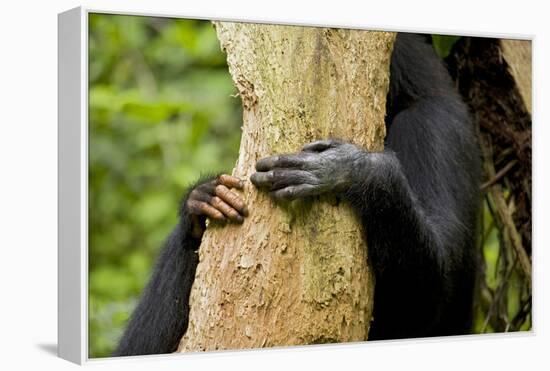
point(161, 316)
point(419, 201)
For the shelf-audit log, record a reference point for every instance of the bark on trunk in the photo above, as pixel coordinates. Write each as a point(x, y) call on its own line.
point(294, 273)
point(517, 54)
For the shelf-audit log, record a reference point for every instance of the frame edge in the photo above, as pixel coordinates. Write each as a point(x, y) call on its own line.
point(71, 311)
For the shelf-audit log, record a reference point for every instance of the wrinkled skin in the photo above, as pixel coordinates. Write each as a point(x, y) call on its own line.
point(324, 166)
point(214, 199)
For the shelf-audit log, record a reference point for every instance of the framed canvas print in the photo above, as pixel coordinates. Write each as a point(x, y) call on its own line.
point(230, 185)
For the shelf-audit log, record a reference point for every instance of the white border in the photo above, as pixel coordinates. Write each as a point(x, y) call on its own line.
point(73, 186)
point(72, 299)
point(501, 35)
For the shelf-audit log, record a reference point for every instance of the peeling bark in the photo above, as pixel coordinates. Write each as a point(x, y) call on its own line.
point(295, 273)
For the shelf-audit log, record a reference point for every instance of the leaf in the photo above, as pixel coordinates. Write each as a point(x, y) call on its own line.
point(443, 44)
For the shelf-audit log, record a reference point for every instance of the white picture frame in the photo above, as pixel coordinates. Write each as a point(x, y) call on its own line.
point(73, 174)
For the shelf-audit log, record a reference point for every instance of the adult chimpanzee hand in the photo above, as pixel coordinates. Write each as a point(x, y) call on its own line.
point(325, 166)
point(215, 199)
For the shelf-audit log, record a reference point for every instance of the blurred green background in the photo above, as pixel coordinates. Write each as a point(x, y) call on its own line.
point(162, 111)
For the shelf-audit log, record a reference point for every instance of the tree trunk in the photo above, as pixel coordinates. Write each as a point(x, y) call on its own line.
point(295, 273)
point(517, 54)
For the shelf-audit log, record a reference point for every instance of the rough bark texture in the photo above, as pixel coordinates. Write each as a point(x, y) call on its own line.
point(295, 273)
point(517, 54)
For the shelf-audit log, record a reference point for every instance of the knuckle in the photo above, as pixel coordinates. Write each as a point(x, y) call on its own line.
point(254, 178)
point(232, 197)
point(226, 179)
point(201, 189)
point(189, 205)
point(206, 184)
point(197, 194)
point(239, 202)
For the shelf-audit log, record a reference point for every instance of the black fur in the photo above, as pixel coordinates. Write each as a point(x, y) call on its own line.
point(418, 201)
point(161, 317)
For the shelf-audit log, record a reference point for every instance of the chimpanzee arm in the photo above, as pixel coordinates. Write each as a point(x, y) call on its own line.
point(418, 201)
point(432, 162)
point(161, 316)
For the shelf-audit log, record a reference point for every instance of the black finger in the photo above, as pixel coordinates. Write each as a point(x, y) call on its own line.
point(262, 179)
point(207, 188)
point(282, 178)
point(285, 178)
point(295, 192)
point(281, 161)
point(320, 145)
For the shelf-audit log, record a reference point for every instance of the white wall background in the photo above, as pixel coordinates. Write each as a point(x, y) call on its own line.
point(28, 183)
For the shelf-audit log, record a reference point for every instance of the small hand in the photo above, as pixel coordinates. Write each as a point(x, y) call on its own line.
point(215, 200)
point(325, 166)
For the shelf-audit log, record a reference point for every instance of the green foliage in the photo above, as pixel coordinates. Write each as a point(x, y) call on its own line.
point(443, 44)
point(503, 298)
point(161, 113)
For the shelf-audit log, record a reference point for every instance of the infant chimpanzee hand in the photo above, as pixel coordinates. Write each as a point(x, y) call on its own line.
point(215, 200)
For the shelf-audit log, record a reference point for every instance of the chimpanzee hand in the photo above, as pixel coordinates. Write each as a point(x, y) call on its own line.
point(325, 166)
point(215, 200)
